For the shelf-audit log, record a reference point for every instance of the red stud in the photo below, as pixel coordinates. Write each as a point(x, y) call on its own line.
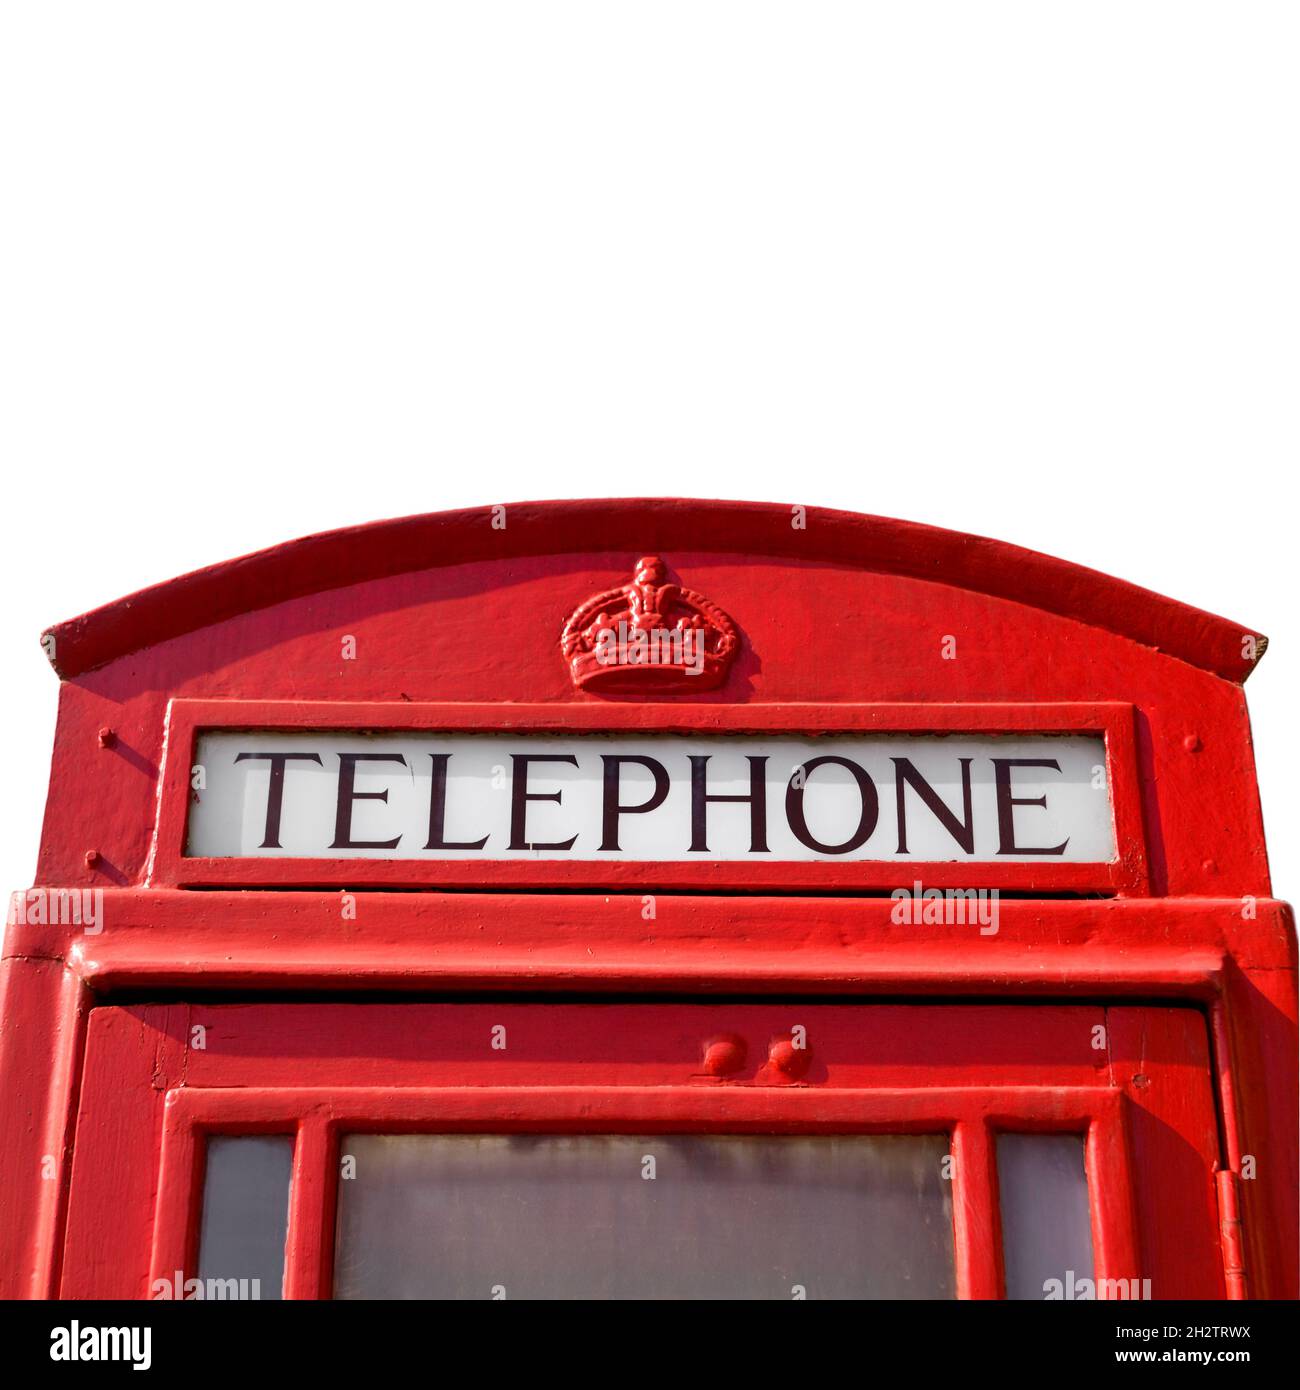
point(788, 1059)
point(724, 1054)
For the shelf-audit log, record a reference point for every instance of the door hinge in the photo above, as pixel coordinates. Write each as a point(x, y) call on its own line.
point(1228, 1187)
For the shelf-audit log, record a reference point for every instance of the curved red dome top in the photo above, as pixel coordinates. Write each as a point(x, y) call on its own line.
point(354, 554)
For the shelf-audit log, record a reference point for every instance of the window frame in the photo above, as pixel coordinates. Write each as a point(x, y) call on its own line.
point(994, 1070)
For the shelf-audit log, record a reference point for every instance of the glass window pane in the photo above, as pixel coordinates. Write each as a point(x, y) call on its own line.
point(245, 1215)
point(644, 1216)
point(1046, 1230)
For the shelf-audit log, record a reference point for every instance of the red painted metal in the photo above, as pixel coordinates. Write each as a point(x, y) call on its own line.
point(842, 623)
point(1234, 1268)
point(321, 1071)
point(653, 604)
point(624, 528)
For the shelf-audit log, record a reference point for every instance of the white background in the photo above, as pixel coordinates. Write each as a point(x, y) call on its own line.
point(1027, 270)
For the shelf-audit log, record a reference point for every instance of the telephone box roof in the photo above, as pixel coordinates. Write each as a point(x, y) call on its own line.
point(356, 554)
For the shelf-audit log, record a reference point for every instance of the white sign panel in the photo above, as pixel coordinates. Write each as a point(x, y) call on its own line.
point(413, 796)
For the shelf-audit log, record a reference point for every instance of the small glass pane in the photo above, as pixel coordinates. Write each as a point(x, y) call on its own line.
point(245, 1216)
point(1046, 1227)
point(644, 1216)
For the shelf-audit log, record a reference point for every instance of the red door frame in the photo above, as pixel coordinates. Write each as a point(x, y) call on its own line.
point(188, 943)
point(319, 1071)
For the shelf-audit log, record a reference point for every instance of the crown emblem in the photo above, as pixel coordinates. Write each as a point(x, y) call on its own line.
point(649, 635)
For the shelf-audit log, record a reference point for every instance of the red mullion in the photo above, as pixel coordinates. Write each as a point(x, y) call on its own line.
point(977, 1217)
point(1112, 1196)
point(178, 1211)
point(313, 1194)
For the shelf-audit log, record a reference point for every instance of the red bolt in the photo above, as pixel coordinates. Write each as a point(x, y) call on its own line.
point(788, 1059)
point(1192, 743)
point(724, 1054)
point(92, 858)
point(107, 738)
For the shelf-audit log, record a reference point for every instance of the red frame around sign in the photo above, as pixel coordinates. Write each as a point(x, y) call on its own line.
point(1126, 874)
point(970, 1070)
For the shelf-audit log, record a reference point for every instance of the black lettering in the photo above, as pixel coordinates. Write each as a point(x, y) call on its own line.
point(963, 831)
point(701, 796)
point(275, 789)
point(438, 810)
point(520, 796)
point(612, 808)
point(348, 794)
point(1007, 804)
point(794, 812)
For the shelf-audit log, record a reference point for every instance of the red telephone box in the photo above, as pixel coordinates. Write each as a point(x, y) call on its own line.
point(650, 899)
